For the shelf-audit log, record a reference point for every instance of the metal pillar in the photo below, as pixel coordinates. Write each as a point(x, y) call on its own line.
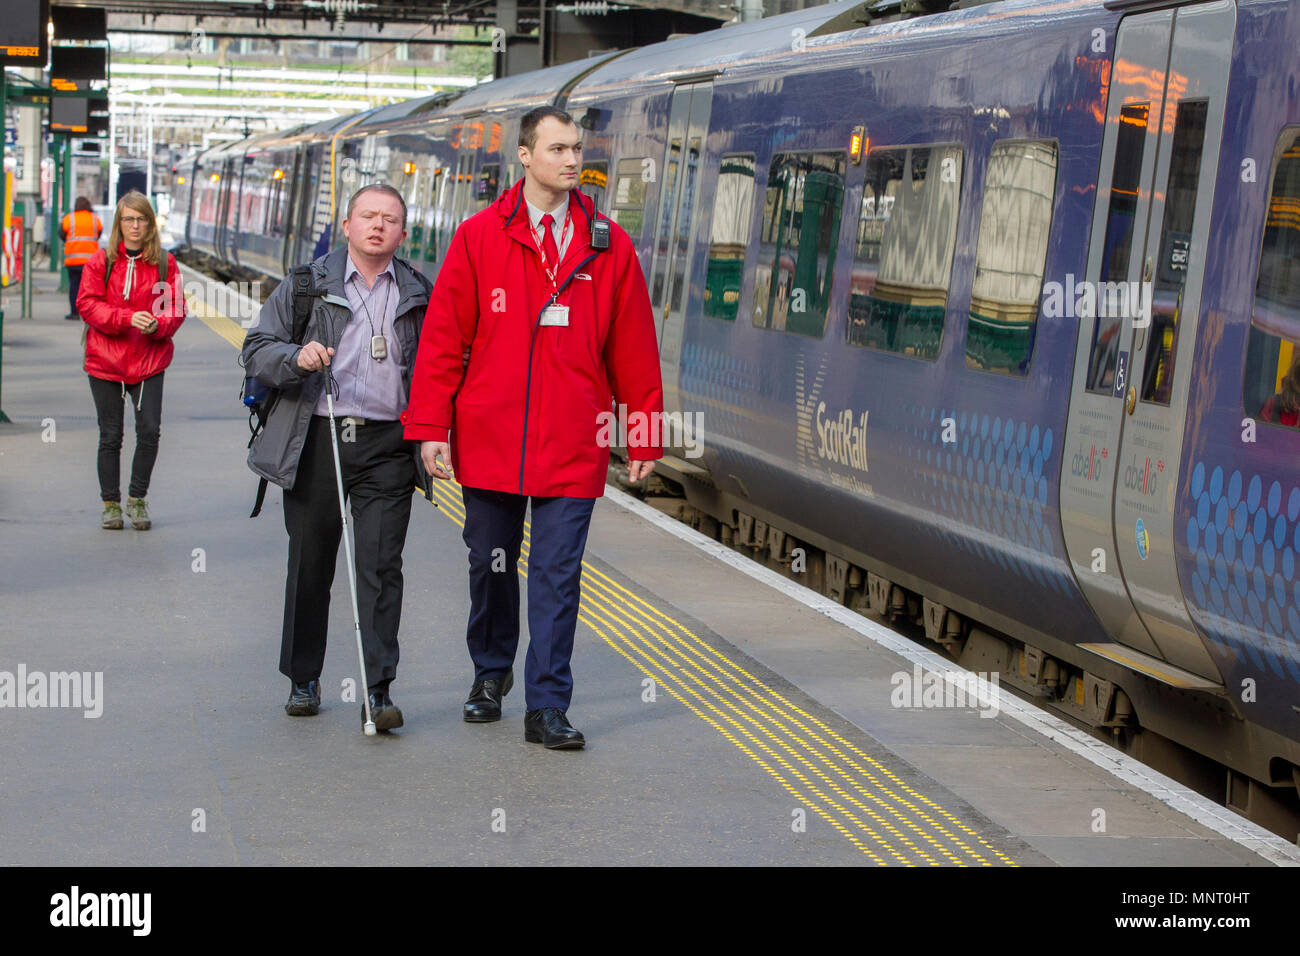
point(56, 203)
point(27, 263)
point(63, 172)
point(4, 113)
point(148, 154)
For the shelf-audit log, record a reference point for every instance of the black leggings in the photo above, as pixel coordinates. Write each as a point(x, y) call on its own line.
point(146, 399)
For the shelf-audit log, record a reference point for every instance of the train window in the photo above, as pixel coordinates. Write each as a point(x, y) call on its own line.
point(279, 207)
point(464, 192)
point(796, 254)
point(451, 199)
point(1271, 390)
point(412, 185)
point(592, 181)
point(231, 183)
point(1010, 255)
point(486, 185)
point(434, 228)
point(1120, 221)
point(514, 172)
point(666, 208)
point(1175, 251)
point(902, 259)
point(691, 177)
point(628, 206)
point(733, 213)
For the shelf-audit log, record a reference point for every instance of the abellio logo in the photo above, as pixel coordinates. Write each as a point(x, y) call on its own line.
point(1142, 475)
point(1087, 461)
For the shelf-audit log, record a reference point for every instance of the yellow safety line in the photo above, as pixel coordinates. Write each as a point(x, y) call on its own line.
point(227, 328)
point(696, 661)
point(765, 726)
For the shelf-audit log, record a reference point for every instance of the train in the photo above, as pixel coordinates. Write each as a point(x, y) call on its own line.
point(990, 317)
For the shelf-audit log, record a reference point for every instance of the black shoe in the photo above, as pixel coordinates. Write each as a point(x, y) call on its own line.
point(484, 702)
point(304, 699)
point(551, 728)
point(73, 315)
point(386, 715)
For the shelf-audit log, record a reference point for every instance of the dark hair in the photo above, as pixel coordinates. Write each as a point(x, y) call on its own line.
point(528, 125)
point(82, 204)
point(378, 187)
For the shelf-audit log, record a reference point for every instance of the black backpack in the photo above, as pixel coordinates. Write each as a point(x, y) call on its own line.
point(259, 398)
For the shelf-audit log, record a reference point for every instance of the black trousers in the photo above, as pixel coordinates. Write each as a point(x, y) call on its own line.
point(146, 399)
point(74, 284)
point(378, 476)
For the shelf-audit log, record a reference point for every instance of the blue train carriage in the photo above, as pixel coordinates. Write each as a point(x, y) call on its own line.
point(1235, 530)
point(176, 229)
point(272, 172)
point(208, 201)
point(1180, 532)
point(915, 406)
point(822, 144)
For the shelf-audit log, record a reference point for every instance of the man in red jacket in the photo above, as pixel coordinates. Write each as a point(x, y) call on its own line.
point(550, 301)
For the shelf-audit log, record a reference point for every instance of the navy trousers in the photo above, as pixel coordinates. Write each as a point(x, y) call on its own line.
point(74, 286)
point(494, 530)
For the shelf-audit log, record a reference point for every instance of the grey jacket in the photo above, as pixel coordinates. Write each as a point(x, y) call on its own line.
point(270, 355)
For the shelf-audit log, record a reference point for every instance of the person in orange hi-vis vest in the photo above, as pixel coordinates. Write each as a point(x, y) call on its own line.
point(80, 232)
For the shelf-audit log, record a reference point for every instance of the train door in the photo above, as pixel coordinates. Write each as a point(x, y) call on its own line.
point(1137, 311)
point(674, 249)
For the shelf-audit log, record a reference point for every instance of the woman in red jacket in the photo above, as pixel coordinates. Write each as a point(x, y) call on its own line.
point(131, 317)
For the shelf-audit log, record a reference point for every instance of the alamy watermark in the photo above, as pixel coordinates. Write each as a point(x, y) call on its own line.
point(124, 910)
point(65, 689)
point(238, 301)
point(945, 689)
point(1087, 299)
point(683, 430)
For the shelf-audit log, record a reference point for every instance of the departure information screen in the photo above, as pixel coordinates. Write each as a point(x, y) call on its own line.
point(23, 36)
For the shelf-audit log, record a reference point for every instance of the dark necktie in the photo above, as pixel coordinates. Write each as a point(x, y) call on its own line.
point(548, 243)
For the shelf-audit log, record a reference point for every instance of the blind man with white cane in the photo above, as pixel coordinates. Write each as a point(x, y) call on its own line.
point(332, 430)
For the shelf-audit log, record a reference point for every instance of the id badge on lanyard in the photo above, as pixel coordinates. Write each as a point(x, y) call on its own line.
point(555, 314)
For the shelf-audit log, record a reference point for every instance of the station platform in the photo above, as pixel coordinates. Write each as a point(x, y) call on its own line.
point(731, 719)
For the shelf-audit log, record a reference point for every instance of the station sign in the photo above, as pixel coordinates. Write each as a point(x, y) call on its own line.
point(79, 23)
point(24, 38)
point(78, 64)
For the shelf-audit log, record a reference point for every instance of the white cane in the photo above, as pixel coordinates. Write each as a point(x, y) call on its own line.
point(369, 726)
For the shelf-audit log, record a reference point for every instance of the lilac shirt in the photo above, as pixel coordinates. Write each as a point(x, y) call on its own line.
point(367, 387)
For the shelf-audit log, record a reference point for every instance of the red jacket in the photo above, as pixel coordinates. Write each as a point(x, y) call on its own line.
point(529, 424)
point(1270, 413)
point(115, 349)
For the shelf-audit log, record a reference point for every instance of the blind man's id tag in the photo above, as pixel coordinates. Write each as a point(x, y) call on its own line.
point(378, 347)
point(555, 315)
